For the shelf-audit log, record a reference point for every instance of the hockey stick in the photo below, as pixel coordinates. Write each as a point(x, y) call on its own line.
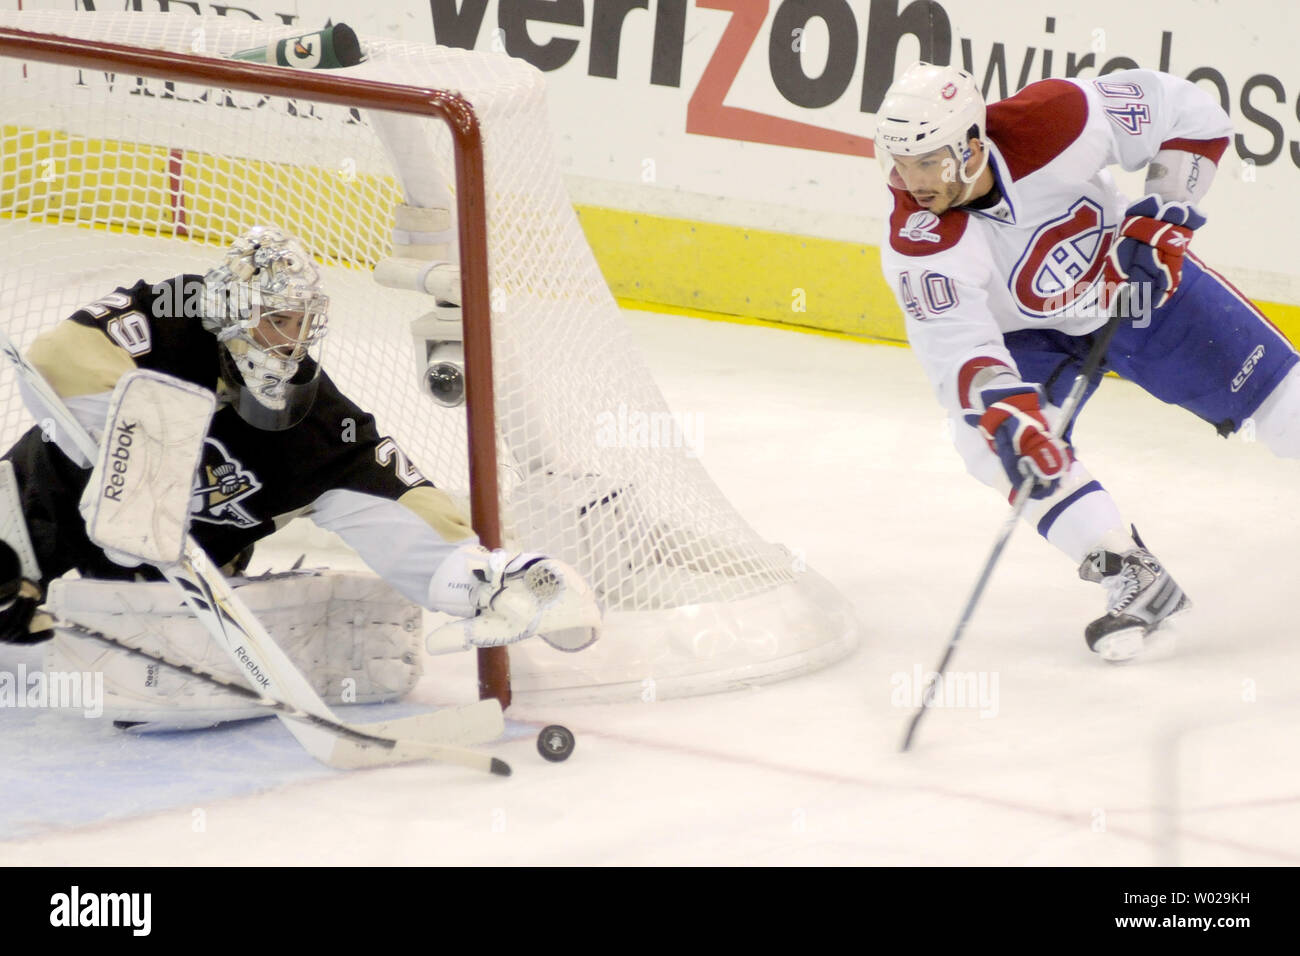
point(423, 733)
point(1069, 408)
point(233, 626)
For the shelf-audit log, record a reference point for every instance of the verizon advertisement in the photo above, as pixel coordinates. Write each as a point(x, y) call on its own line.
point(760, 113)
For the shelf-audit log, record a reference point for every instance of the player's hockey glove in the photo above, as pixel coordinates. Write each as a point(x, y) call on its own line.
point(1148, 252)
point(1015, 428)
point(19, 599)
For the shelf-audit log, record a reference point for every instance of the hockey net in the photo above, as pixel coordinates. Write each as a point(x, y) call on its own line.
point(107, 178)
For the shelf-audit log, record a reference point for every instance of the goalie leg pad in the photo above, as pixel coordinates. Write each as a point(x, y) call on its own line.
point(13, 523)
point(20, 593)
point(354, 638)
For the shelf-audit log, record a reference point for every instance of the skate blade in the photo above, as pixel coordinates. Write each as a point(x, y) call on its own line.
point(1121, 647)
point(1124, 647)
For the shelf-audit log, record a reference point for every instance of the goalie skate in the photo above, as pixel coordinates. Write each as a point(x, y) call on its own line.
point(1141, 596)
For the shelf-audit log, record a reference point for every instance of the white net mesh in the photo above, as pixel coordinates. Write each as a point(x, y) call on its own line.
point(107, 179)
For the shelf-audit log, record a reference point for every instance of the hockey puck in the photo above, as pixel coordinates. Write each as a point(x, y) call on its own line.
point(555, 743)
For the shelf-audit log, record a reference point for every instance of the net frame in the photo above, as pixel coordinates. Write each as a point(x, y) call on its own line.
point(703, 603)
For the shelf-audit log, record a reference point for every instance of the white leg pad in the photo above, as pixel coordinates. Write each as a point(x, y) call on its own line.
point(13, 525)
point(354, 638)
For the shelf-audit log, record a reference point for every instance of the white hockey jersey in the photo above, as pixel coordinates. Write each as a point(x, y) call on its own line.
point(967, 276)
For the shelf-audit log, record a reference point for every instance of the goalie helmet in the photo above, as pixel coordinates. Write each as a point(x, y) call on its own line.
point(932, 110)
point(264, 304)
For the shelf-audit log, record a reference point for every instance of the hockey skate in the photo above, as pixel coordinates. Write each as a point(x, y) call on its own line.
point(1141, 596)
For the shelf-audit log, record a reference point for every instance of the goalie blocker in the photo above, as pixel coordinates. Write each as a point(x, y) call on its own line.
point(137, 502)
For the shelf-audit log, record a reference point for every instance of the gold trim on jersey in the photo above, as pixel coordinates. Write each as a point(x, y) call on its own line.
point(441, 513)
point(79, 360)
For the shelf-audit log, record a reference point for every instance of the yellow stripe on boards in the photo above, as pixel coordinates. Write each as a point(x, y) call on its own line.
point(637, 305)
point(793, 280)
point(1285, 317)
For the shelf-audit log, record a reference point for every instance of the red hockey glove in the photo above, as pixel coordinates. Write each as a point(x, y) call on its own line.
point(1014, 426)
point(1148, 252)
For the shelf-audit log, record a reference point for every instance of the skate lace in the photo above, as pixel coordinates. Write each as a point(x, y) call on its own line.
point(1121, 589)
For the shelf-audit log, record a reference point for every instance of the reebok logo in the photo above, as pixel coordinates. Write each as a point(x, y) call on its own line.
point(119, 459)
point(254, 672)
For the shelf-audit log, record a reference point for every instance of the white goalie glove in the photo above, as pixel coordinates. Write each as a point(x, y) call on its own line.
point(502, 597)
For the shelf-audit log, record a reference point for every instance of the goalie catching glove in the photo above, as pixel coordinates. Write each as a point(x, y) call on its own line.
point(1014, 426)
point(502, 597)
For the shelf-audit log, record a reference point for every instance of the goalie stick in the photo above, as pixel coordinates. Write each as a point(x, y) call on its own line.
point(236, 629)
point(432, 732)
point(1096, 354)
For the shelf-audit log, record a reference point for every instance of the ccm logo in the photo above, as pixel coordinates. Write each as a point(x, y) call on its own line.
point(1252, 360)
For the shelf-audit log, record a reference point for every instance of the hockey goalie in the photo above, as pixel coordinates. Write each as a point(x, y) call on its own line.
point(210, 388)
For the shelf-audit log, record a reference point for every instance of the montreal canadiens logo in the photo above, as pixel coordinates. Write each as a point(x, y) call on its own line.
point(920, 227)
point(1063, 261)
point(949, 91)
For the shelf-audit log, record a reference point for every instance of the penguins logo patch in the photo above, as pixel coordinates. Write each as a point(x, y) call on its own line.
point(219, 486)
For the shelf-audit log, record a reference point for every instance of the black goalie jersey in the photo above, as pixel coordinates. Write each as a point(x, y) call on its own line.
point(334, 465)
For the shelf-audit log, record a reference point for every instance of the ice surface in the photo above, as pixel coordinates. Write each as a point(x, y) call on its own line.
point(838, 450)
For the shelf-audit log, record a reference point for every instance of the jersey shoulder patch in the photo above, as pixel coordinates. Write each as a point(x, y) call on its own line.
point(915, 231)
point(1036, 125)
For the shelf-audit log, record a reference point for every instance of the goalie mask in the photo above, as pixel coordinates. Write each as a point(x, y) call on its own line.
point(264, 305)
point(923, 133)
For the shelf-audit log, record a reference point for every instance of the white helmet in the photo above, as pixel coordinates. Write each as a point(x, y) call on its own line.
point(264, 304)
point(930, 108)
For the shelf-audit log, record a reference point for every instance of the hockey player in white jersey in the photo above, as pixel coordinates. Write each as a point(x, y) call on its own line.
point(1006, 246)
point(283, 441)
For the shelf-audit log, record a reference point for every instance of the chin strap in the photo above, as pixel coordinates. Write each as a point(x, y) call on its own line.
point(970, 183)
